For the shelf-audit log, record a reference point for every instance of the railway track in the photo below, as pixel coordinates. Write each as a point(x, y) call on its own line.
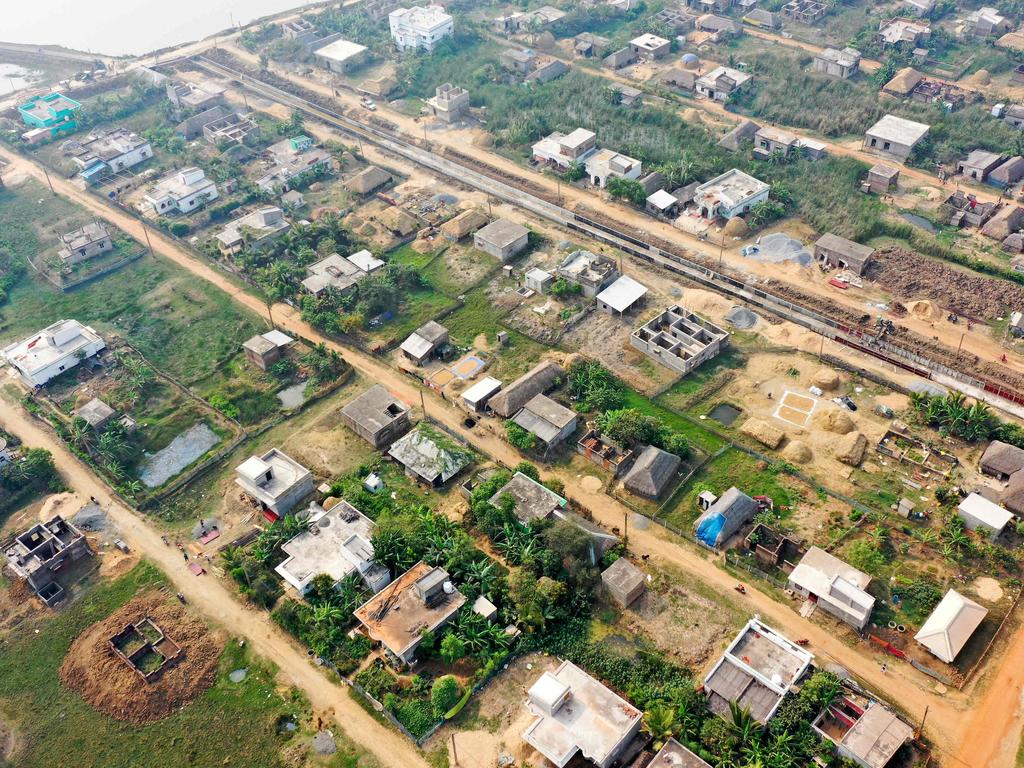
point(862, 339)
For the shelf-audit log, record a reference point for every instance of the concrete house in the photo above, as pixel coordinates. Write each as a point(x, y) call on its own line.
point(377, 416)
point(333, 272)
point(721, 82)
point(36, 556)
point(652, 472)
point(429, 456)
point(275, 480)
point(503, 239)
point(420, 28)
point(978, 513)
point(979, 164)
point(181, 191)
point(538, 280)
point(521, 61)
point(837, 588)
point(532, 501)
point(894, 137)
point(882, 178)
point(620, 58)
point(607, 164)
point(96, 414)
point(769, 141)
point(862, 730)
point(192, 127)
point(542, 378)
point(289, 159)
point(756, 671)
point(731, 194)
point(621, 296)
point(233, 128)
point(85, 243)
point(839, 253)
point(53, 350)
point(266, 349)
point(624, 582)
point(340, 56)
point(650, 47)
point(336, 543)
point(918, 8)
point(906, 32)
point(675, 755)
point(425, 342)
point(985, 22)
point(48, 116)
point(110, 152)
point(576, 715)
point(1001, 460)
point(476, 397)
point(949, 627)
point(561, 150)
point(843, 63)
point(730, 512)
point(679, 339)
point(589, 45)
point(256, 230)
point(591, 272)
point(421, 600)
point(548, 421)
point(195, 97)
point(450, 103)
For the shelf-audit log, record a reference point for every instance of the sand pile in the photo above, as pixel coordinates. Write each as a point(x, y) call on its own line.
point(484, 140)
point(693, 116)
point(834, 421)
point(981, 77)
point(736, 227)
point(742, 318)
point(925, 310)
point(850, 448)
point(825, 378)
point(763, 432)
point(106, 682)
point(797, 452)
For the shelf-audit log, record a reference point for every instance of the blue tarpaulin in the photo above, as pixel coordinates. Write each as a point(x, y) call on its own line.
point(710, 529)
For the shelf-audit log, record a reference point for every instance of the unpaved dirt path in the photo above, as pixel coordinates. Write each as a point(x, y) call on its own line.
point(210, 597)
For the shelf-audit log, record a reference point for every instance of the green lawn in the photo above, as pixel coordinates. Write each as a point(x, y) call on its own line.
point(232, 724)
point(697, 435)
point(181, 324)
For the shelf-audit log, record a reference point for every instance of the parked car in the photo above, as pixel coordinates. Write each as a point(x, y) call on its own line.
point(845, 401)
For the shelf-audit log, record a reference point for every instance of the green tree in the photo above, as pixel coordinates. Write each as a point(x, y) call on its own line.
point(453, 648)
point(660, 723)
point(520, 438)
point(444, 694)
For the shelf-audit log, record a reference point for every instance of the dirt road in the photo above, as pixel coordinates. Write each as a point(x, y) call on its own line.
point(211, 597)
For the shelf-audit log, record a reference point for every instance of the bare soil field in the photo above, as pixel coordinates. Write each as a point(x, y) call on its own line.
point(105, 681)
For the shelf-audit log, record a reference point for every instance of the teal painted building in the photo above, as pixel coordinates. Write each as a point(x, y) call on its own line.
point(54, 112)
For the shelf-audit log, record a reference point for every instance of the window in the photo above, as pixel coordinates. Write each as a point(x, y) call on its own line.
point(874, 143)
point(886, 145)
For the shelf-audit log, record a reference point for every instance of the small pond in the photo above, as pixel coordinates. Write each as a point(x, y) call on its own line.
point(293, 396)
point(188, 446)
point(14, 77)
point(919, 221)
point(725, 414)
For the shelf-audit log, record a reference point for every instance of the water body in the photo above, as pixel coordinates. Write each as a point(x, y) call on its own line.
point(293, 396)
point(133, 27)
point(182, 451)
point(14, 77)
point(919, 221)
point(724, 413)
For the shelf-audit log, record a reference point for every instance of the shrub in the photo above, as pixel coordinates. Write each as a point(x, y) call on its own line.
point(444, 695)
point(452, 648)
point(519, 437)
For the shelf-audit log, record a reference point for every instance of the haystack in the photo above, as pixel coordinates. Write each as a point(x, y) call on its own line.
point(797, 452)
point(981, 77)
point(763, 432)
point(850, 448)
point(834, 421)
point(825, 378)
point(736, 227)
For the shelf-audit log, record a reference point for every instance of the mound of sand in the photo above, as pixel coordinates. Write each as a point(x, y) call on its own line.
point(763, 432)
point(834, 421)
point(484, 140)
point(981, 77)
point(110, 685)
point(736, 227)
point(692, 115)
point(367, 230)
point(825, 378)
point(925, 310)
point(797, 452)
point(850, 448)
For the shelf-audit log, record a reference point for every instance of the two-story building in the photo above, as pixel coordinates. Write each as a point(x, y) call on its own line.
point(420, 28)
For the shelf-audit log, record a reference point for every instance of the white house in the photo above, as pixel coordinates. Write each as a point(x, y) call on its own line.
point(275, 480)
point(720, 83)
point(53, 350)
point(181, 191)
point(115, 151)
point(562, 149)
point(838, 588)
point(978, 512)
point(423, 28)
point(734, 193)
point(607, 164)
point(950, 626)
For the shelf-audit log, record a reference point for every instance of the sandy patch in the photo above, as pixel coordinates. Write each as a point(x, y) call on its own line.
point(591, 484)
point(988, 589)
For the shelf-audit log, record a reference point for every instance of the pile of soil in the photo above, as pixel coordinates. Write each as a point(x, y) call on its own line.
point(825, 378)
point(834, 421)
point(736, 227)
point(981, 77)
point(107, 683)
point(850, 448)
point(925, 310)
point(742, 318)
point(763, 432)
point(797, 452)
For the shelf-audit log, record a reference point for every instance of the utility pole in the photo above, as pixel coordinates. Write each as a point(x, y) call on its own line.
point(423, 404)
point(48, 182)
point(455, 753)
point(958, 346)
point(489, 205)
point(625, 530)
point(270, 311)
point(145, 231)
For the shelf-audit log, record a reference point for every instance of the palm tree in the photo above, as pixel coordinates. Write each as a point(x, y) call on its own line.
point(660, 723)
point(743, 726)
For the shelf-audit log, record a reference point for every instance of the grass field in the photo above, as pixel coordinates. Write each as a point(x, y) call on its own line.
point(232, 724)
point(182, 325)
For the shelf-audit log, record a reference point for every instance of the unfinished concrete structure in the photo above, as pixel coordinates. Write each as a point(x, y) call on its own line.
point(839, 253)
point(450, 103)
point(836, 587)
point(145, 648)
point(575, 714)
point(85, 243)
point(420, 600)
point(337, 544)
point(843, 63)
point(863, 730)
point(679, 339)
point(275, 480)
point(623, 582)
point(756, 671)
point(36, 556)
point(604, 452)
point(377, 416)
point(591, 272)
